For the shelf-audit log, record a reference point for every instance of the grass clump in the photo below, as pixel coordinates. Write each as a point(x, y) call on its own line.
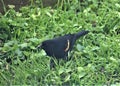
point(96, 56)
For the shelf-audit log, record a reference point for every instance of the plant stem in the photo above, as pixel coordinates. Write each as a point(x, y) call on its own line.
point(4, 8)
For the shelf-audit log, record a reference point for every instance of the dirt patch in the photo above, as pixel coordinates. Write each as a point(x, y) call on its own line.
point(20, 3)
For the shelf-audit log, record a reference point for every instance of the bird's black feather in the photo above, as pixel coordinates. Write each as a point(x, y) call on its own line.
point(59, 47)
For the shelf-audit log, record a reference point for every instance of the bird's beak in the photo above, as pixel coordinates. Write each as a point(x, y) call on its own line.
point(39, 46)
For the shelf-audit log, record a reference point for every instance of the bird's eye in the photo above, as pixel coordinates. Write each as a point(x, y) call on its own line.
point(43, 45)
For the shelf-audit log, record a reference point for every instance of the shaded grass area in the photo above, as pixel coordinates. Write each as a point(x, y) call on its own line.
point(96, 58)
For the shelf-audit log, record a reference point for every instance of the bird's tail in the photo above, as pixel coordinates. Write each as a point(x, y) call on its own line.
point(81, 33)
point(78, 35)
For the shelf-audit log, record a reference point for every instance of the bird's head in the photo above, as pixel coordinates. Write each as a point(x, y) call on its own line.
point(41, 46)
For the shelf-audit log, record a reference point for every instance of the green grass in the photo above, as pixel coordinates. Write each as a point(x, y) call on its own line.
point(96, 58)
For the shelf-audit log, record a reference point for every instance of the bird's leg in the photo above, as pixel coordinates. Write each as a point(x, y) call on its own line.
point(53, 63)
point(71, 55)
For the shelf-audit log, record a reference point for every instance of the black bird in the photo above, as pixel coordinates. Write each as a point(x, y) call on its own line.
point(59, 47)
